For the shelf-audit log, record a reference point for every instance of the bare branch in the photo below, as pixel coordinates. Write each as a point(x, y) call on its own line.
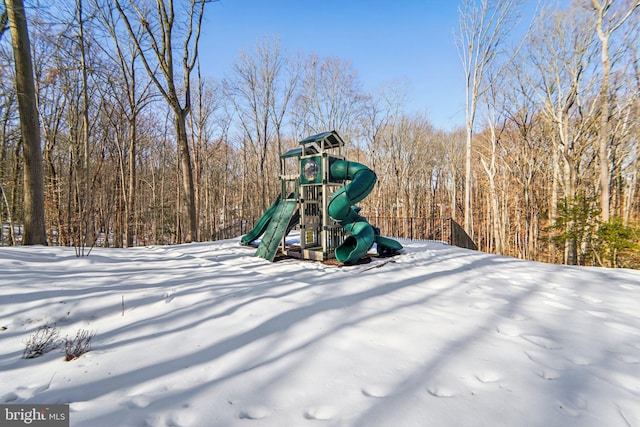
point(4, 20)
point(136, 42)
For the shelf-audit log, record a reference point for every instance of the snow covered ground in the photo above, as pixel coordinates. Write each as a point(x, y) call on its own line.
point(207, 335)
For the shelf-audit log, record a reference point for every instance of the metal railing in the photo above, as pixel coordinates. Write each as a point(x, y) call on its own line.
point(441, 229)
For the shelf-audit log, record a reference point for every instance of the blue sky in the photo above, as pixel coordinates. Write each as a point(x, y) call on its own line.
point(385, 40)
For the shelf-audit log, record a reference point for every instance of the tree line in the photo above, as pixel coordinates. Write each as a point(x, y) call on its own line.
point(140, 146)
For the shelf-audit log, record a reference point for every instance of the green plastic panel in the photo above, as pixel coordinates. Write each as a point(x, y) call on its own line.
point(278, 227)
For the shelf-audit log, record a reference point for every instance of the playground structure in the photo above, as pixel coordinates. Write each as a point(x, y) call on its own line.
point(319, 191)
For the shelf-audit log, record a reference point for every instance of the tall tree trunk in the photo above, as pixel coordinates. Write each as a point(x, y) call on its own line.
point(34, 221)
point(468, 225)
point(131, 197)
point(161, 39)
point(605, 27)
point(87, 210)
point(484, 25)
point(188, 187)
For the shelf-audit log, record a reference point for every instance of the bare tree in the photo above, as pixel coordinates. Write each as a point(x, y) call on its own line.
point(561, 53)
point(607, 20)
point(88, 227)
point(8, 137)
point(632, 188)
point(526, 157)
point(261, 90)
point(496, 123)
point(484, 27)
point(34, 231)
point(4, 20)
point(330, 98)
point(159, 36)
point(52, 105)
point(133, 97)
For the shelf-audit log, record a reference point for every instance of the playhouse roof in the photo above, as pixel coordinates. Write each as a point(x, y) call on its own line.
point(331, 139)
point(294, 152)
point(315, 144)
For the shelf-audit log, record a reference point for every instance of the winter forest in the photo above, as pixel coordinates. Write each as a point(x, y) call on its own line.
point(139, 146)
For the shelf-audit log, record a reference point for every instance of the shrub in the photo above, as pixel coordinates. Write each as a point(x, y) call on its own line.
point(614, 240)
point(42, 341)
point(79, 345)
point(575, 226)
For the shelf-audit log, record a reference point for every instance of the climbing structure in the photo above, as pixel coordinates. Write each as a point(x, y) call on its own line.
point(319, 192)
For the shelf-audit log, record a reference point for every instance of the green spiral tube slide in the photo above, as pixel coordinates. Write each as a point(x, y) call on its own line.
point(341, 209)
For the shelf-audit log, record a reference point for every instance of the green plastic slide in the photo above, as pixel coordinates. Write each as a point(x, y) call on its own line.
point(341, 208)
point(278, 227)
point(387, 246)
point(260, 225)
